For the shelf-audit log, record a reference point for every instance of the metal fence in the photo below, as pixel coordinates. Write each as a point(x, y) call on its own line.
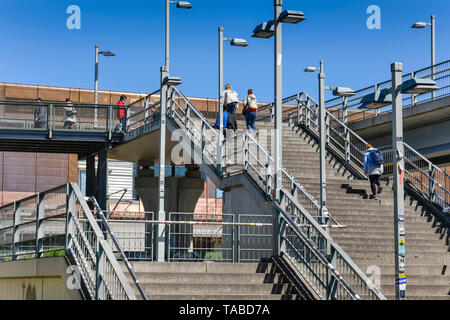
point(195, 237)
point(59, 222)
point(57, 116)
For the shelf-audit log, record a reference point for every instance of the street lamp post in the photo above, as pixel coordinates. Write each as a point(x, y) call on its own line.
point(432, 24)
point(398, 165)
point(267, 30)
point(182, 5)
point(97, 53)
point(237, 43)
point(166, 81)
point(337, 91)
point(394, 95)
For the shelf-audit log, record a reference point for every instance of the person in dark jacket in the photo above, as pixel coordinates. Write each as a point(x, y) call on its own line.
point(40, 115)
point(373, 171)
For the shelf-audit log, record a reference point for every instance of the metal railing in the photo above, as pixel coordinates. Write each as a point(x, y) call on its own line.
point(58, 116)
point(195, 237)
point(439, 72)
point(59, 222)
point(334, 278)
point(425, 177)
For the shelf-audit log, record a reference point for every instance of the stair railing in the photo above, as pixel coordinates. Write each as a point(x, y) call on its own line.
point(334, 278)
point(115, 244)
point(424, 177)
point(85, 241)
point(257, 163)
point(349, 148)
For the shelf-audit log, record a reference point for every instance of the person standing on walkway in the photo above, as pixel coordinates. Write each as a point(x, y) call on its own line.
point(69, 115)
point(373, 168)
point(40, 114)
point(122, 112)
point(251, 109)
point(230, 99)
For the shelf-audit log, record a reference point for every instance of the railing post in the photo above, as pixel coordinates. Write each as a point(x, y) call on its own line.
point(307, 112)
point(245, 152)
point(146, 110)
point(327, 127)
point(110, 122)
point(413, 96)
point(15, 234)
point(100, 290)
point(50, 121)
point(40, 214)
point(70, 207)
point(236, 243)
point(331, 280)
point(376, 89)
point(432, 185)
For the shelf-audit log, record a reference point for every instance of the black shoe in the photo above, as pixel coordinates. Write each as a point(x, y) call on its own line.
point(373, 197)
point(379, 190)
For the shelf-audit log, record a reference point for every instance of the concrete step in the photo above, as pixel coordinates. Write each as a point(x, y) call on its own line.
point(412, 269)
point(356, 234)
point(211, 278)
point(377, 256)
point(216, 289)
point(411, 244)
point(199, 267)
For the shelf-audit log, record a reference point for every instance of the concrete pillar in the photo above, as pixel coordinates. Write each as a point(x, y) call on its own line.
point(102, 179)
point(181, 195)
point(242, 203)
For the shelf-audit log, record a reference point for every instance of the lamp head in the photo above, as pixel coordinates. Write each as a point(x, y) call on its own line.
point(419, 25)
point(343, 92)
point(264, 30)
point(310, 69)
point(239, 42)
point(107, 53)
point(183, 5)
point(291, 16)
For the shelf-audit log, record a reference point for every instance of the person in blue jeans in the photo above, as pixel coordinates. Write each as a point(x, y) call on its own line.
point(251, 109)
point(373, 171)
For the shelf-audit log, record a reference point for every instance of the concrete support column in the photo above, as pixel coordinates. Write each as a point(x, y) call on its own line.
point(181, 195)
point(102, 179)
point(90, 176)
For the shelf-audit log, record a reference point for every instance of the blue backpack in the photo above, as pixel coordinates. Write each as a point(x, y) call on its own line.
point(376, 157)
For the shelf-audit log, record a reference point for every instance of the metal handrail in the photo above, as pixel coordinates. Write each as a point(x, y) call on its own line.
point(107, 285)
point(118, 247)
point(333, 272)
point(350, 148)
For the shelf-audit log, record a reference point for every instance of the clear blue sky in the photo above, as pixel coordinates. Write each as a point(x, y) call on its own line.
point(37, 47)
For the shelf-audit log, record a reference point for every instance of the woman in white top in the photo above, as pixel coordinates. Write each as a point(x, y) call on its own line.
point(251, 108)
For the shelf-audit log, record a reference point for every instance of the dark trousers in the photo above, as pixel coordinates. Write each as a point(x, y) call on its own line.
point(123, 121)
point(231, 108)
point(40, 124)
point(374, 182)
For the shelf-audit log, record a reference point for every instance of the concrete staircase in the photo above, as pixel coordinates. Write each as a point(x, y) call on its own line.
point(369, 236)
point(214, 281)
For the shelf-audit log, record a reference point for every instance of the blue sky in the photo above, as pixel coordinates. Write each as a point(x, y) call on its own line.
point(37, 47)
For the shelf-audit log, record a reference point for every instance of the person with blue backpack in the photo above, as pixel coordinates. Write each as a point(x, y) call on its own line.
point(373, 168)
